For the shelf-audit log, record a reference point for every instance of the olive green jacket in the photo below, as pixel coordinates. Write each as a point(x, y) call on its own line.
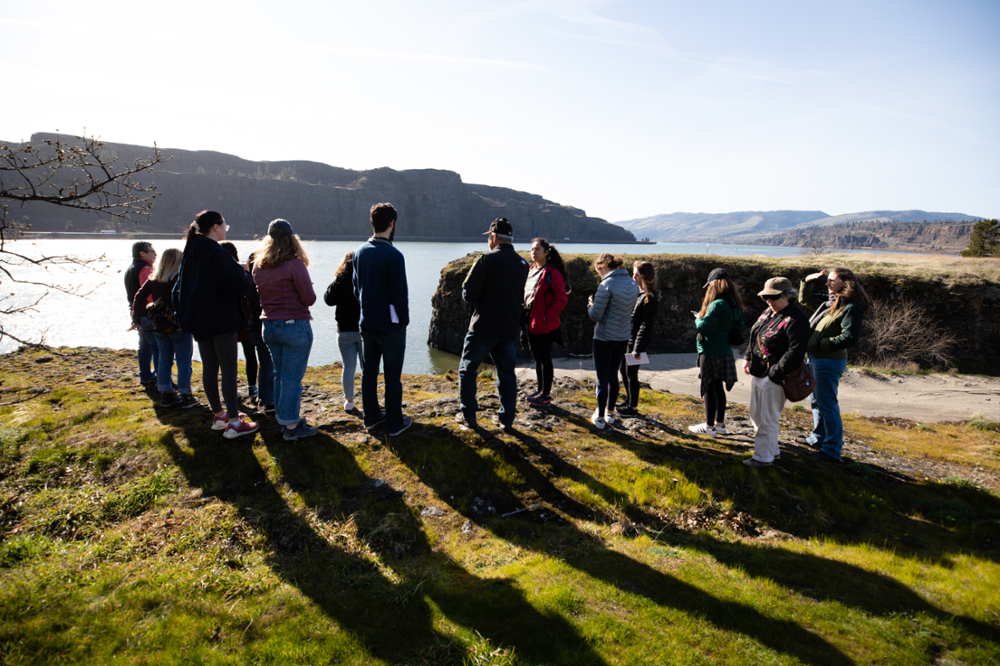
point(832, 334)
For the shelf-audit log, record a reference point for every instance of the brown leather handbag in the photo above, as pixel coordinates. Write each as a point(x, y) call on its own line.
point(800, 383)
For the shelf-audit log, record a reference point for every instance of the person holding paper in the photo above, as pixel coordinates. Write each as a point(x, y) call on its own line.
point(643, 316)
point(379, 281)
point(721, 312)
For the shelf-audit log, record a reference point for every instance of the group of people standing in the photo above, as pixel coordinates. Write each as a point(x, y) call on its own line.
point(204, 294)
point(780, 340)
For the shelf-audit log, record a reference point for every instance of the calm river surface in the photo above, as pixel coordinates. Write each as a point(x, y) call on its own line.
point(102, 319)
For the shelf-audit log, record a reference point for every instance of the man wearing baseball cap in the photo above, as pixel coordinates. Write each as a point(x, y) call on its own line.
point(495, 288)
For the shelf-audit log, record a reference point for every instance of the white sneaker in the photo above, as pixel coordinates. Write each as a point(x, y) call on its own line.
point(720, 429)
point(702, 429)
point(348, 405)
point(609, 416)
point(596, 419)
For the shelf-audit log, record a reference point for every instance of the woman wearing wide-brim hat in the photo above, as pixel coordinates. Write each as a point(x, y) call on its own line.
point(777, 346)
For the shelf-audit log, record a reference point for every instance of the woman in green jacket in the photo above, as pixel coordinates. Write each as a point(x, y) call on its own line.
point(721, 312)
point(836, 327)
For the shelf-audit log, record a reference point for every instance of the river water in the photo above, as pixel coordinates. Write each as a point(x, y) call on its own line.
point(101, 318)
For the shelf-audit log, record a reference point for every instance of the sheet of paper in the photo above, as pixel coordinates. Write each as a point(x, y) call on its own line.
point(632, 360)
point(392, 314)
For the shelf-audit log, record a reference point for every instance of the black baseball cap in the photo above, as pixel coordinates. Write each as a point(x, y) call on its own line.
point(500, 227)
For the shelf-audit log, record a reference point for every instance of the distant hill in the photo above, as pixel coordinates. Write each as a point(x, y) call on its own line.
point(740, 226)
point(923, 237)
point(325, 201)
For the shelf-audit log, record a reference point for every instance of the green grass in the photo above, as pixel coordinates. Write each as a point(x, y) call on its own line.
point(137, 535)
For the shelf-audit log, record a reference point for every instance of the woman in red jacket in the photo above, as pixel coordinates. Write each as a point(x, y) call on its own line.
point(544, 298)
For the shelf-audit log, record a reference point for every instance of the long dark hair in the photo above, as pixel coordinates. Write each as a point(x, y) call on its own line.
point(647, 274)
point(203, 223)
point(552, 255)
point(852, 291)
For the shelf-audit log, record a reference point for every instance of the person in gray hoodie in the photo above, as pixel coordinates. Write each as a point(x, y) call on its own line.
point(611, 307)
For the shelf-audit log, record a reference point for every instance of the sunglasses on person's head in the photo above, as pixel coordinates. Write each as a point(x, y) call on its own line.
point(771, 297)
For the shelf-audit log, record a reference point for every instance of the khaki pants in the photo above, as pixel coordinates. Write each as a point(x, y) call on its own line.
point(767, 399)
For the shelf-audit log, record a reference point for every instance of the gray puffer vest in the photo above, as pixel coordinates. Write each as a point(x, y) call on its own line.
point(612, 308)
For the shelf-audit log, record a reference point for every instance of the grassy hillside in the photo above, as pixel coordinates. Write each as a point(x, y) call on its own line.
point(134, 534)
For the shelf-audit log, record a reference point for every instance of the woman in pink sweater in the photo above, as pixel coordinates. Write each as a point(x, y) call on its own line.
point(286, 292)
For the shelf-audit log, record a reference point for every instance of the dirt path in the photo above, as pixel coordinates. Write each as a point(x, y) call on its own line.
point(921, 398)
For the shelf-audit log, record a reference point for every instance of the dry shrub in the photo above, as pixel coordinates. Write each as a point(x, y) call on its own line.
point(903, 336)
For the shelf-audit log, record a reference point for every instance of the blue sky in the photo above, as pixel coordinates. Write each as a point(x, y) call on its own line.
point(625, 109)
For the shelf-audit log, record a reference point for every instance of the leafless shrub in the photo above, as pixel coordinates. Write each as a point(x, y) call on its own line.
point(903, 336)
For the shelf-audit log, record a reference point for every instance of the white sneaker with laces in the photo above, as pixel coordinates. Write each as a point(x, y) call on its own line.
point(609, 416)
point(702, 429)
point(596, 419)
point(720, 429)
point(348, 405)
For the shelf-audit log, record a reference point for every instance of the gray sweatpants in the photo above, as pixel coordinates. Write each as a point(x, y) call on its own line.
point(767, 399)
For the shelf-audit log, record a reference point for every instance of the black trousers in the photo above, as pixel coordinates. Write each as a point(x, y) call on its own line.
point(541, 351)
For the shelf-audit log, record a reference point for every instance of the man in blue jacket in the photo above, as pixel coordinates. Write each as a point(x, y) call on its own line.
point(495, 287)
point(379, 280)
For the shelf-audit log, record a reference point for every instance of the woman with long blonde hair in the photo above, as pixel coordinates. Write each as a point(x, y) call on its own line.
point(286, 292)
point(171, 341)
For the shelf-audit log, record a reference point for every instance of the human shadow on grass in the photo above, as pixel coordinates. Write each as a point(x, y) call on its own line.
point(392, 619)
point(811, 575)
point(463, 474)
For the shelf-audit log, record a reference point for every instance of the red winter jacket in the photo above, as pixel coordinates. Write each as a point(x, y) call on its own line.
point(548, 301)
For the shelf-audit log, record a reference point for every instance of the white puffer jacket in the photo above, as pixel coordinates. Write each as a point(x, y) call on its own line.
point(612, 308)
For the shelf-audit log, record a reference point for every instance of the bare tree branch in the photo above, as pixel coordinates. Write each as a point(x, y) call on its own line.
point(78, 174)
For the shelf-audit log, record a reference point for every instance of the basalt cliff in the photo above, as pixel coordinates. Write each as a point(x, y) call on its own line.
point(321, 201)
point(964, 301)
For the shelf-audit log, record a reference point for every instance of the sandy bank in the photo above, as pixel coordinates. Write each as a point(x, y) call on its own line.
point(922, 398)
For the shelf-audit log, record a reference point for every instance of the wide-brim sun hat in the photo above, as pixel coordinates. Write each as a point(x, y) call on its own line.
point(776, 286)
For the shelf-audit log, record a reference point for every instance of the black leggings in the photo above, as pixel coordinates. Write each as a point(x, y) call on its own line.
point(219, 352)
point(250, 354)
point(630, 380)
point(715, 402)
point(541, 351)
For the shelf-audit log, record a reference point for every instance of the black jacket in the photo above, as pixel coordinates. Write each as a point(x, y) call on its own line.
point(207, 296)
point(132, 278)
point(778, 343)
point(495, 287)
point(340, 293)
point(643, 316)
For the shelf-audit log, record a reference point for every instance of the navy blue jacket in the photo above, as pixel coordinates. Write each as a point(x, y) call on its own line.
point(207, 296)
point(379, 280)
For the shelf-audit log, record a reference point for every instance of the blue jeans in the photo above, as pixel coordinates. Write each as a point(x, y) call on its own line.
point(350, 352)
point(828, 429)
point(289, 343)
point(608, 356)
point(503, 352)
point(389, 347)
point(177, 345)
point(148, 351)
point(265, 368)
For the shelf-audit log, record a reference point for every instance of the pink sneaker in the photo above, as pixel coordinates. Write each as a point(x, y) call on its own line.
point(221, 422)
point(244, 427)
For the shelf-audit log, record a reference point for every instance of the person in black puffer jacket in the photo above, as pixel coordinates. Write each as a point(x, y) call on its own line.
point(777, 346)
point(207, 300)
point(643, 316)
